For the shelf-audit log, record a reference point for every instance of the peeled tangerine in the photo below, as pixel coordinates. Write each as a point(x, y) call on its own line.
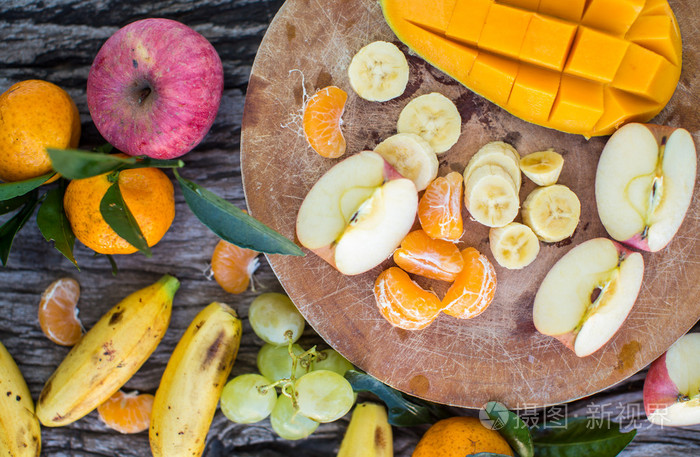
point(404, 303)
point(580, 66)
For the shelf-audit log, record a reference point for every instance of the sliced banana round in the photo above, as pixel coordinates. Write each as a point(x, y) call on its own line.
point(552, 212)
point(491, 197)
point(514, 246)
point(411, 156)
point(496, 153)
point(378, 72)
point(433, 117)
point(543, 167)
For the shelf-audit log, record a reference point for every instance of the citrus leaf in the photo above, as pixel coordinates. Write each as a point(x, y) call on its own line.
point(580, 437)
point(117, 215)
point(511, 428)
point(487, 454)
point(54, 224)
point(14, 225)
point(113, 264)
point(11, 190)
point(402, 412)
point(12, 204)
point(233, 225)
point(77, 164)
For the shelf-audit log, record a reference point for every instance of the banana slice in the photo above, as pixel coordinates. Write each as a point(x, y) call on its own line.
point(411, 156)
point(433, 117)
point(542, 167)
point(491, 197)
point(552, 212)
point(496, 153)
point(378, 72)
point(514, 246)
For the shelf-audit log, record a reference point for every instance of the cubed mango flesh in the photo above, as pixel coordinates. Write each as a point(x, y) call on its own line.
point(613, 16)
point(467, 20)
point(580, 66)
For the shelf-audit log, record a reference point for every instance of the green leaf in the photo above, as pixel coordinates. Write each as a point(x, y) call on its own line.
point(12, 204)
point(113, 264)
point(401, 411)
point(487, 454)
point(54, 224)
point(580, 437)
point(233, 225)
point(511, 428)
point(117, 215)
point(10, 229)
point(77, 164)
point(11, 190)
point(104, 148)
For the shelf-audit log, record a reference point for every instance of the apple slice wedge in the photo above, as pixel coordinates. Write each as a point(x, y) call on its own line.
point(587, 295)
point(644, 184)
point(357, 213)
point(672, 386)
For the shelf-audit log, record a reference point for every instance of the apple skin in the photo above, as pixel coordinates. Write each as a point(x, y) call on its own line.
point(659, 390)
point(154, 88)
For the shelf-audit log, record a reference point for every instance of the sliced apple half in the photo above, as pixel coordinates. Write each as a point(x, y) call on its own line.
point(644, 184)
point(587, 295)
point(672, 386)
point(356, 215)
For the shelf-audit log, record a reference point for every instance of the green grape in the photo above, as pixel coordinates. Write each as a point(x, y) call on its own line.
point(329, 359)
point(323, 395)
point(287, 423)
point(271, 315)
point(275, 363)
point(242, 401)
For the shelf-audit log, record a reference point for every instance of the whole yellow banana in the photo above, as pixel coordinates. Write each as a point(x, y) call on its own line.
point(189, 391)
point(20, 435)
point(108, 355)
point(369, 433)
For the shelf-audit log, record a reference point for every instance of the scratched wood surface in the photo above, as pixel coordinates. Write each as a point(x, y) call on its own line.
point(499, 354)
point(56, 40)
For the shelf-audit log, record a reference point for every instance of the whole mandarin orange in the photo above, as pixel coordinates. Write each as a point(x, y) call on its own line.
point(460, 436)
point(34, 115)
point(147, 192)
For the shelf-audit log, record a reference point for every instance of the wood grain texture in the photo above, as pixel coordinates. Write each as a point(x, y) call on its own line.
point(498, 355)
point(56, 40)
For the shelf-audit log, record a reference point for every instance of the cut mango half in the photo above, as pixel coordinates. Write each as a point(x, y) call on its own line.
point(579, 66)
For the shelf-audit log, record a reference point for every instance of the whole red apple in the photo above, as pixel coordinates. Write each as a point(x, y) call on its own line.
point(154, 88)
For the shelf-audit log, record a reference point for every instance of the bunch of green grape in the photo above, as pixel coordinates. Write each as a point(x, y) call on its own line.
point(296, 388)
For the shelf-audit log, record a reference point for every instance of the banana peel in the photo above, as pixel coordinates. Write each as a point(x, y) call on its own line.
point(191, 385)
point(108, 355)
point(20, 433)
point(369, 433)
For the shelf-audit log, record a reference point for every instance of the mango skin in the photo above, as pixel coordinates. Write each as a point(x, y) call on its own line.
point(576, 70)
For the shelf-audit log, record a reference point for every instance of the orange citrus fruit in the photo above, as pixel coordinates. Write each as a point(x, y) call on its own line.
point(436, 259)
point(127, 413)
point(473, 290)
point(34, 115)
point(233, 266)
point(147, 192)
point(322, 119)
point(404, 303)
point(440, 210)
point(58, 312)
point(460, 436)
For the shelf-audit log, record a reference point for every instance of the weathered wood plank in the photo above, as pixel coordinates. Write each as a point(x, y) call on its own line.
point(56, 40)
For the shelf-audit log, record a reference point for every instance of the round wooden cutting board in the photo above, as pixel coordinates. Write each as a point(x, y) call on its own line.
point(498, 355)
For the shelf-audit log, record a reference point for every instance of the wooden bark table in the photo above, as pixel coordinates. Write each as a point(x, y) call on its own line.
point(56, 40)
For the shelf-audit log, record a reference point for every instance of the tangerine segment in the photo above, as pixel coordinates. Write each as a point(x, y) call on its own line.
point(404, 303)
point(436, 259)
point(127, 412)
point(322, 120)
point(58, 312)
point(474, 289)
point(233, 266)
point(439, 209)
